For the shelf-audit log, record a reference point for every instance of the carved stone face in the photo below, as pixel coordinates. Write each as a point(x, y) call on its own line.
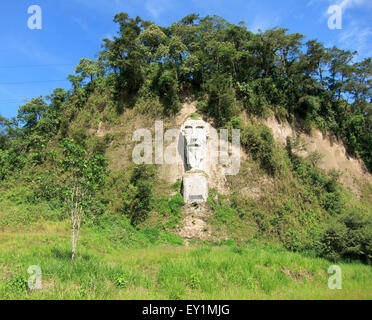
point(195, 133)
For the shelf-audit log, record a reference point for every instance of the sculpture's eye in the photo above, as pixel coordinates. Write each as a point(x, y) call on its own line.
point(188, 130)
point(200, 129)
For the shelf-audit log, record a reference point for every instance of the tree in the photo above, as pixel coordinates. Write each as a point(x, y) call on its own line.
point(339, 70)
point(82, 176)
point(221, 98)
point(360, 84)
point(3, 137)
point(90, 69)
point(31, 112)
point(123, 56)
point(49, 124)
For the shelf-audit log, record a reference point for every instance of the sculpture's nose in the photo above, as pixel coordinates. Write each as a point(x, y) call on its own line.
point(194, 139)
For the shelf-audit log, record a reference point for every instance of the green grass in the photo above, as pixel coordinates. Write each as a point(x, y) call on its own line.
point(107, 269)
point(117, 261)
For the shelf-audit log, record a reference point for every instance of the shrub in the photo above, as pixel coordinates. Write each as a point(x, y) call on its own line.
point(175, 204)
point(254, 97)
point(236, 122)
point(170, 239)
point(228, 243)
point(201, 106)
point(138, 197)
point(16, 283)
point(259, 142)
point(224, 213)
point(169, 207)
point(323, 187)
point(292, 240)
point(149, 106)
point(194, 281)
point(80, 136)
point(151, 234)
point(99, 145)
point(167, 86)
point(121, 280)
point(348, 235)
point(176, 186)
point(237, 250)
point(222, 102)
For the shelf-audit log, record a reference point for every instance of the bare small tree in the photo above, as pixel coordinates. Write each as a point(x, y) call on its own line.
point(82, 176)
point(75, 211)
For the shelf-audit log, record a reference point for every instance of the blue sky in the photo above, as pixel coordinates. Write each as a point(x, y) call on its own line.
point(34, 62)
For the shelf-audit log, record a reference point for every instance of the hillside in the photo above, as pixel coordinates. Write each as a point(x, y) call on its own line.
point(301, 201)
point(330, 152)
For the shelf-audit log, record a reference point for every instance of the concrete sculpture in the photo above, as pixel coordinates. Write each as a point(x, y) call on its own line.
point(195, 183)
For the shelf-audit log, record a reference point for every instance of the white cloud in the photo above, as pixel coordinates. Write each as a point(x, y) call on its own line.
point(83, 25)
point(263, 23)
point(357, 37)
point(356, 33)
point(344, 4)
point(157, 7)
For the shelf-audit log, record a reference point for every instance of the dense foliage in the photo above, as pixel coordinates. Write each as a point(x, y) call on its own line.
point(228, 69)
point(220, 63)
point(270, 70)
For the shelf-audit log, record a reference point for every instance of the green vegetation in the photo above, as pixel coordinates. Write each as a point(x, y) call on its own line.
point(137, 198)
point(66, 155)
point(302, 207)
point(105, 269)
point(82, 176)
point(225, 66)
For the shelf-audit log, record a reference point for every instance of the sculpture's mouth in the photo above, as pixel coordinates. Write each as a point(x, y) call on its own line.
point(194, 145)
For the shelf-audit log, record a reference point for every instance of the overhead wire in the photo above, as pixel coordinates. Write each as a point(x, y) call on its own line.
point(26, 82)
point(37, 65)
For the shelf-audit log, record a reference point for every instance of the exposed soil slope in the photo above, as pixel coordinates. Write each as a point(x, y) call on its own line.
point(332, 151)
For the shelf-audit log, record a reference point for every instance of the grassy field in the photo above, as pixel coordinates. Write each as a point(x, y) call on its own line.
point(106, 269)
